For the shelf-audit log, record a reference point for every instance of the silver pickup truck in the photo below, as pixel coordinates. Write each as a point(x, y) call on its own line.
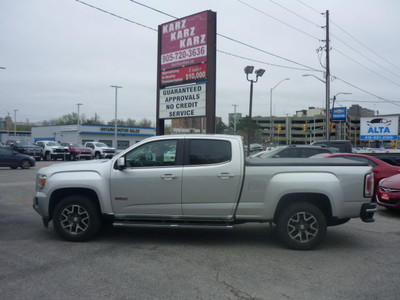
point(203, 181)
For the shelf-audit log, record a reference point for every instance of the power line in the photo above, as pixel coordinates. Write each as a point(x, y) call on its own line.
point(311, 8)
point(366, 57)
point(376, 73)
point(114, 15)
point(280, 21)
point(261, 62)
point(294, 13)
point(394, 102)
point(366, 47)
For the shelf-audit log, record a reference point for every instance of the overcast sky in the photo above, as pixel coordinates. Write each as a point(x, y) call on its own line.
point(60, 53)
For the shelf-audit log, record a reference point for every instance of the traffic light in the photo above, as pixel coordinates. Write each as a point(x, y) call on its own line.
point(332, 125)
point(279, 128)
point(304, 127)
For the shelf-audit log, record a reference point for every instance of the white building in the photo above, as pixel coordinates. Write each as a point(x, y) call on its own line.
point(126, 136)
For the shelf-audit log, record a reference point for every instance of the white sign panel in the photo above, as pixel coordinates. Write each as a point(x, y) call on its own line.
point(183, 101)
point(380, 128)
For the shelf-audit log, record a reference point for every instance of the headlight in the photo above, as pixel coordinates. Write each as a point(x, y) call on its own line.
point(40, 181)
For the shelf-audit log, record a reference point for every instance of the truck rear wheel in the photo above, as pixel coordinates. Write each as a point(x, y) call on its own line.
point(302, 226)
point(76, 219)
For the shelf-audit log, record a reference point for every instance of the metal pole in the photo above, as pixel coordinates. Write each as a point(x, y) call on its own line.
point(15, 122)
point(327, 80)
point(115, 119)
point(250, 111)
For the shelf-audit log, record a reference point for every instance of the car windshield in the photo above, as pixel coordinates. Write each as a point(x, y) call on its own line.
point(100, 145)
point(53, 144)
point(24, 143)
point(75, 145)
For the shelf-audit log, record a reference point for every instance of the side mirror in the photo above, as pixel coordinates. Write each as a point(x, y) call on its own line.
point(121, 163)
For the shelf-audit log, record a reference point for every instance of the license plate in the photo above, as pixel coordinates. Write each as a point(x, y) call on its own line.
point(385, 197)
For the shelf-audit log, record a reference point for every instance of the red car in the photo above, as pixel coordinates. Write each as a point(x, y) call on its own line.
point(380, 168)
point(388, 192)
point(77, 151)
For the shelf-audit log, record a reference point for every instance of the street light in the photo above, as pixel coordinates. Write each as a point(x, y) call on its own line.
point(259, 73)
point(270, 107)
point(78, 104)
point(15, 122)
point(327, 112)
point(115, 119)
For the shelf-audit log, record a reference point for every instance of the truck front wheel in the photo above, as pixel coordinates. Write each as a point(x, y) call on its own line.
point(301, 226)
point(76, 219)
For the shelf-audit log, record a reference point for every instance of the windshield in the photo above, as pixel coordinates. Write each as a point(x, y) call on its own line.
point(53, 144)
point(100, 145)
point(24, 143)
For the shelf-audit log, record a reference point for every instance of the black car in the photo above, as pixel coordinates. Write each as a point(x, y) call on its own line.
point(13, 159)
point(26, 147)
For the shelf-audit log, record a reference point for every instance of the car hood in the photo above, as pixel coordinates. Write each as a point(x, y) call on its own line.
point(76, 166)
point(392, 182)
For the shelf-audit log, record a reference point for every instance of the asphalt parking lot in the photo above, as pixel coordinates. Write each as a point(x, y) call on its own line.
point(357, 260)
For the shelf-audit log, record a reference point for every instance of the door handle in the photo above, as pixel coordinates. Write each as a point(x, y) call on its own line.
point(225, 175)
point(169, 177)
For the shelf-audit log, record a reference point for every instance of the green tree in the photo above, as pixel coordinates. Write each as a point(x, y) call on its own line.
point(221, 127)
point(242, 128)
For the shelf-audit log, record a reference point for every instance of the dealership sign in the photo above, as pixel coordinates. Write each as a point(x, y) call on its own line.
point(183, 101)
point(339, 113)
point(380, 128)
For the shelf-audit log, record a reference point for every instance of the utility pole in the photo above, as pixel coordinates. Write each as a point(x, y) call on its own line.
point(234, 118)
point(327, 80)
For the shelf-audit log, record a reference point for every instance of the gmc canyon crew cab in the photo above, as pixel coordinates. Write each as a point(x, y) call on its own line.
point(203, 181)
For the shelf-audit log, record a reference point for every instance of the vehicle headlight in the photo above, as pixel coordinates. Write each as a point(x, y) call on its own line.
point(40, 181)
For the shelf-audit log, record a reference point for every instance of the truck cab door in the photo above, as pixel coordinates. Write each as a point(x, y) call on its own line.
point(212, 176)
point(150, 182)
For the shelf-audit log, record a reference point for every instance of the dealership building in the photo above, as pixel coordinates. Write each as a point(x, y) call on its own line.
point(82, 133)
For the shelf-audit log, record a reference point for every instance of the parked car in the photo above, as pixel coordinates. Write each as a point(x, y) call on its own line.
point(77, 151)
point(25, 147)
point(14, 159)
point(52, 150)
point(344, 146)
point(100, 150)
point(388, 192)
point(294, 151)
point(380, 168)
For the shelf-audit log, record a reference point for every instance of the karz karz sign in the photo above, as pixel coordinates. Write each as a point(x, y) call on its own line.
point(182, 101)
point(187, 69)
point(380, 128)
point(184, 41)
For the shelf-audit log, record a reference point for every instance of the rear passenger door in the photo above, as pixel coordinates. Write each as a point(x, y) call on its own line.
point(211, 177)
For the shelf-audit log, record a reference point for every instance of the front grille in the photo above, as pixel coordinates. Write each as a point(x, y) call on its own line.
point(108, 151)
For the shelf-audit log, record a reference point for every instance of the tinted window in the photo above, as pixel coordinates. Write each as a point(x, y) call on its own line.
point(290, 152)
point(159, 153)
point(209, 152)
